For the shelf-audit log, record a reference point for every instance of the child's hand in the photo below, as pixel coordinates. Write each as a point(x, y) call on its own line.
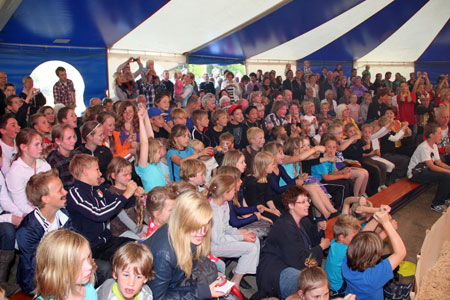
point(249, 236)
point(362, 201)
point(141, 111)
point(131, 188)
point(322, 225)
point(269, 126)
point(394, 224)
point(299, 181)
point(208, 151)
point(139, 191)
point(258, 215)
point(266, 219)
point(320, 149)
point(385, 208)
point(305, 176)
point(261, 208)
point(381, 217)
point(15, 220)
point(324, 243)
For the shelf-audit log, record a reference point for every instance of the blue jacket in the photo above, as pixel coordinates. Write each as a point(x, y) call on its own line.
point(91, 207)
point(168, 276)
point(29, 234)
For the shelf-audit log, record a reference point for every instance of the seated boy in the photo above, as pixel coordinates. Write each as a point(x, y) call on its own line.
point(219, 119)
point(194, 172)
point(46, 192)
point(256, 141)
point(178, 116)
point(91, 206)
point(226, 142)
point(200, 119)
point(157, 120)
point(132, 267)
point(344, 229)
point(235, 125)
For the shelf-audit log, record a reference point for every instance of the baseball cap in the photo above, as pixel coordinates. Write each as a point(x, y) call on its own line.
point(232, 108)
point(154, 111)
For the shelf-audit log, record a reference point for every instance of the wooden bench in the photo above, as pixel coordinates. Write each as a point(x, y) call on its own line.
point(397, 195)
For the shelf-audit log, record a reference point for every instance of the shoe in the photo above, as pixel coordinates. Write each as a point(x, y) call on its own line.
point(438, 208)
point(383, 186)
point(447, 202)
point(244, 284)
point(364, 195)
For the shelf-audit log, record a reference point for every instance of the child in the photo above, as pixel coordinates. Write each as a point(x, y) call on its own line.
point(226, 143)
point(359, 175)
point(163, 162)
point(27, 163)
point(209, 160)
point(9, 128)
point(313, 284)
point(157, 122)
point(256, 185)
point(362, 269)
point(64, 267)
point(178, 87)
point(159, 204)
point(200, 119)
point(40, 124)
point(256, 142)
point(324, 115)
point(242, 215)
point(219, 118)
point(354, 108)
point(371, 140)
point(126, 223)
point(178, 116)
point(162, 101)
point(309, 109)
point(235, 125)
point(180, 151)
point(91, 206)
point(337, 182)
point(194, 172)
point(323, 127)
point(227, 241)
point(344, 229)
point(66, 115)
point(65, 139)
point(45, 191)
point(307, 68)
point(92, 134)
point(148, 156)
point(132, 267)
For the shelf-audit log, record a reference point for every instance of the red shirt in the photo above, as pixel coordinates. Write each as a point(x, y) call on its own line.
point(406, 109)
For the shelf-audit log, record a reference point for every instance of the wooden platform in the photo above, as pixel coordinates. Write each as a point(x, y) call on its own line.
point(396, 196)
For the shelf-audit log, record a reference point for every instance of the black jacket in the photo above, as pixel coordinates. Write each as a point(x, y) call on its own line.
point(286, 246)
point(168, 276)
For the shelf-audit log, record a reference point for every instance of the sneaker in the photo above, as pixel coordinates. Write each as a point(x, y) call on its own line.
point(383, 187)
point(438, 208)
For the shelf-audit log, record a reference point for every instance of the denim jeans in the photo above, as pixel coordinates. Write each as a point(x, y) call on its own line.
point(289, 281)
point(443, 179)
point(7, 236)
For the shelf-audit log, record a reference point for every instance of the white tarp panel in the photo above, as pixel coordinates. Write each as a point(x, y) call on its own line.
point(324, 34)
point(409, 42)
point(171, 29)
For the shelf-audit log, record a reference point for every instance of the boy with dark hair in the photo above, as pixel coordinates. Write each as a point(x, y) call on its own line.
point(9, 128)
point(235, 125)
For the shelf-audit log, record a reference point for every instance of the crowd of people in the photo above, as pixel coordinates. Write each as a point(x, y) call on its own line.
point(147, 195)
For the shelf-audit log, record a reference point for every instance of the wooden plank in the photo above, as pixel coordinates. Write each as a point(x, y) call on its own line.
point(388, 196)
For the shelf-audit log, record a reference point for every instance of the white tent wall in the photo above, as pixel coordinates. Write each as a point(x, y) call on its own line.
point(267, 66)
point(162, 62)
point(404, 68)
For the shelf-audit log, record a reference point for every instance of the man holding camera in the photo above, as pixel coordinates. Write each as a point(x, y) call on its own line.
point(37, 99)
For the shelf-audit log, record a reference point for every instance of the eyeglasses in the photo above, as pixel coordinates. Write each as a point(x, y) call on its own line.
point(304, 201)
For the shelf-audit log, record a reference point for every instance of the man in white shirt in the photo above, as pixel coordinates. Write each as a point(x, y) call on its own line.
point(426, 166)
point(9, 128)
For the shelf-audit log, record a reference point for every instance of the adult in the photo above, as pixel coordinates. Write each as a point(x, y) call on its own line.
point(343, 114)
point(442, 119)
point(166, 85)
point(378, 106)
point(310, 97)
point(265, 87)
point(181, 245)
point(287, 95)
point(119, 80)
point(287, 83)
point(3, 80)
point(328, 84)
point(147, 87)
point(298, 86)
point(253, 85)
point(358, 88)
point(277, 116)
point(329, 98)
point(311, 83)
point(406, 102)
point(291, 241)
point(37, 98)
point(207, 85)
point(426, 166)
point(188, 88)
point(192, 104)
point(387, 83)
point(64, 90)
point(231, 87)
point(125, 67)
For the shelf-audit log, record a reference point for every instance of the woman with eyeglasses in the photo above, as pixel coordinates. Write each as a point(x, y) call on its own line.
point(178, 246)
point(291, 241)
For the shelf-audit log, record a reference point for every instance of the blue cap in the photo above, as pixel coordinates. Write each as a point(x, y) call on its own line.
point(154, 111)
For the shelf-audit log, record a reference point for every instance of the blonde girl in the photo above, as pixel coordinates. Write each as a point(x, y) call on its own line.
point(256, 187)
point(64, 267)
point(227, 241)
point(159, 204)
point(129, 221)
point(235, 158)
point(92, 134)
point(176, 245)
point(180, 151)
point(241, 215)
point(27, 162)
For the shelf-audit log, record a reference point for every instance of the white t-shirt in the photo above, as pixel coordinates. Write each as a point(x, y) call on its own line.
point(424, 152)
point(312, 130)
point(8, 154)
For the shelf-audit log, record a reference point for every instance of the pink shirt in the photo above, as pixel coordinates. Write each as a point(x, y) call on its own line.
point(178, 87)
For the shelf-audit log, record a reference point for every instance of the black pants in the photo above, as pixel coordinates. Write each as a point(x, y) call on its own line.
point(339, 190)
